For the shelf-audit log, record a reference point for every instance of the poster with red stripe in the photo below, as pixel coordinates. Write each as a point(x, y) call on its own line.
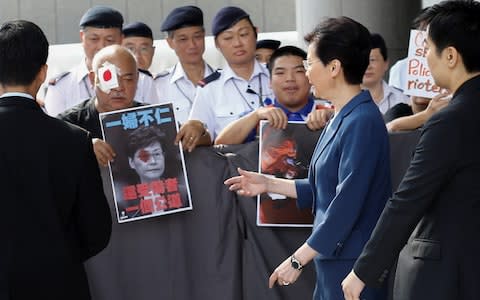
point(148, 173)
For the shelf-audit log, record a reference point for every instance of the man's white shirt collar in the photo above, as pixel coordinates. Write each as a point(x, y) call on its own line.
point(179, 72)
point(17, 94)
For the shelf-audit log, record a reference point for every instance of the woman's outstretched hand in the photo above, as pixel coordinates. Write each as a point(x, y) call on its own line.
point(248, 183)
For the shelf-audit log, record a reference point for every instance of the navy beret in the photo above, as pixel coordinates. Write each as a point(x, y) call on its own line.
point(269, 44)
point(137, 29)
point(184, 16)
point(226, 18)
point(102, 17)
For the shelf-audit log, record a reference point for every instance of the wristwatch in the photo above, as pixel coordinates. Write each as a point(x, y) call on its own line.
point(295, 263)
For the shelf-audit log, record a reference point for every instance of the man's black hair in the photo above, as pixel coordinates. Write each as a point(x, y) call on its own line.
point(23, 52)
point(456, 24)
point(285, 51)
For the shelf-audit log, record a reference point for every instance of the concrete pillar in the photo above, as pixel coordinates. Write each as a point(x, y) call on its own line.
point(390, 18)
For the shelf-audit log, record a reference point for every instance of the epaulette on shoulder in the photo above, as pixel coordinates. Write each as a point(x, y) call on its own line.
point(161, 74)
point(55, 80)
point(146, 72)
point(212, 77)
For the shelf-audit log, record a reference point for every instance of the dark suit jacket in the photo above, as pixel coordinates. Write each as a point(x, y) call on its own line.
point(432, 223)
point(54, 215)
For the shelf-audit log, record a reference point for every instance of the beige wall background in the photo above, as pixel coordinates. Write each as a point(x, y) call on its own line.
point(59, 18)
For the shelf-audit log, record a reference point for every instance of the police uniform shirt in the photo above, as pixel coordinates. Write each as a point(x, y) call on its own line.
point(86, 116)
point(146, 92)
point(68, 90)
point(75, 87)
point(174, 86)
point(226, 99)
point(391, 97)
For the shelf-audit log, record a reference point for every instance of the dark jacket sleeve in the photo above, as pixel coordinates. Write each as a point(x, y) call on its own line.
point(431, 168)
point(91, 212)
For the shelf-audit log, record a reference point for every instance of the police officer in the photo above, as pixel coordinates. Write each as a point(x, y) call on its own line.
point(100, 26)
point(243, 85)
point(138, 38)
point(265, 49)
point(186, 36)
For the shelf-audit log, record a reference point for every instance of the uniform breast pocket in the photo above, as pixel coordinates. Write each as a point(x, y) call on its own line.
point(182, 110)
point(227, 114)
point(426, 249)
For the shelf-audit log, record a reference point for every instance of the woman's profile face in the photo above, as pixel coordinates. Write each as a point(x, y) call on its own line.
point(149, 162)
point(317, 73)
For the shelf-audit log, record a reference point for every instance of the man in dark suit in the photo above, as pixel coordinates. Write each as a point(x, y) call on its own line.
point(431, 224)
point(54, 212)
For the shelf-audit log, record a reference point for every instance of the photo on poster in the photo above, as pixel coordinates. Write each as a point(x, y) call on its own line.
point(284, 153)
point(148, 173)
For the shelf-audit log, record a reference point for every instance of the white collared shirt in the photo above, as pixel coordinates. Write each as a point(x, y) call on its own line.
point(175, 87)
point(75, 87)
point(224, 100)
point(391, 97)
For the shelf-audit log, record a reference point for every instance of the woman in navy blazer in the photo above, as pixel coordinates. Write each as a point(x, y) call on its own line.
point(349, 177)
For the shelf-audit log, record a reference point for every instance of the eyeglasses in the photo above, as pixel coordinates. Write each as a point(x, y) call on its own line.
point(307, 65)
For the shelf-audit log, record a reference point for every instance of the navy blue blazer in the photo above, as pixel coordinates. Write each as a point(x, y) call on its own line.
point(348, 181)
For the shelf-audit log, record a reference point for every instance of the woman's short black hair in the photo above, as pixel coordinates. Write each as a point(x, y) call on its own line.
point(344, 39)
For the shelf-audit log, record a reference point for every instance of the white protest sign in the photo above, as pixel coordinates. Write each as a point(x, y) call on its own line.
point(419, 81)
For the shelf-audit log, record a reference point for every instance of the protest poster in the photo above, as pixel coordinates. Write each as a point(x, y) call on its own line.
point(148, 173)
point(284, 154)
point(419, 81)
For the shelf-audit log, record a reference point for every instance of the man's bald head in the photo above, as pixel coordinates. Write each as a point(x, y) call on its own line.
point(120, 97)
point(113, 52)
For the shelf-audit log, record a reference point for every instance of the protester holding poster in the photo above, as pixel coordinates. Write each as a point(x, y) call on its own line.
point(292, 101)
point(417, 120)
point(410, 117)
point(115, 75)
